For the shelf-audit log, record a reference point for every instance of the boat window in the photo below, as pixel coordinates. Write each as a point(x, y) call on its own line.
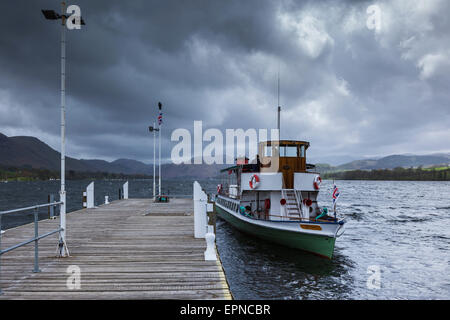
point(288, 151)
point(302, 151)
point(267, 151)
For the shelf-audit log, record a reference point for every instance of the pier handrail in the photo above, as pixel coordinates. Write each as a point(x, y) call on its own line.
point(36, 237)
point(45, 205)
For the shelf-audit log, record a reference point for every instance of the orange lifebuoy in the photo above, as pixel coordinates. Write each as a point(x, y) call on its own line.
point(254, 182)
point(317, 182)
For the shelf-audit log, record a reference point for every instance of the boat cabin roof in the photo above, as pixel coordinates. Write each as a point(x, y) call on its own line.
point(285, 143)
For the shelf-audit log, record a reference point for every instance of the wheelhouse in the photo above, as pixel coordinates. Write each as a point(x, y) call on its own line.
point(285, 156)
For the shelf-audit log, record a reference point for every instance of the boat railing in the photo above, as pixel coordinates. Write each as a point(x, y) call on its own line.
point(36, 237)
point(228, 198)
point(302, 219)
point(299, 203)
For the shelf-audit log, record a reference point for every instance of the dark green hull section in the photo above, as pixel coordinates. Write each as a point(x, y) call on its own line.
point(320, 245)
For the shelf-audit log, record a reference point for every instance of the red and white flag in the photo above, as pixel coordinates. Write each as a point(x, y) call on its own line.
point(335, 193)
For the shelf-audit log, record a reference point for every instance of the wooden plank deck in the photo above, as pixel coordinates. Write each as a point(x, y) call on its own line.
point(129, 249)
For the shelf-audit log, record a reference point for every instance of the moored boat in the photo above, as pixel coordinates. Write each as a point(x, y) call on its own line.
point(275, 198)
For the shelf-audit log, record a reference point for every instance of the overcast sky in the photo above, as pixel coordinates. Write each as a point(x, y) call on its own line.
point(351, 91)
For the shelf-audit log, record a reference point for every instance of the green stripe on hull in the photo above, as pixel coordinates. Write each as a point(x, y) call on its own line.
point(320, 245)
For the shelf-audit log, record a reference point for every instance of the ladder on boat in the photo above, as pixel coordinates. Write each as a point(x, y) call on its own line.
point(292, 206)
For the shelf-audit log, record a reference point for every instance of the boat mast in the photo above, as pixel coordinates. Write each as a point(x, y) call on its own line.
point(279, 107)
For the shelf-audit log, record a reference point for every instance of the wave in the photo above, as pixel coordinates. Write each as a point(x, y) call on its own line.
point(440, 237)
point(354, 215)
point(405, 218)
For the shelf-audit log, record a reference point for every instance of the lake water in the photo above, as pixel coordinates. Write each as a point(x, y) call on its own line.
point(399, 228)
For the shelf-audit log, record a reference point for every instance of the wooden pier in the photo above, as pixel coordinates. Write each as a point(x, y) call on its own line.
point(129, 249)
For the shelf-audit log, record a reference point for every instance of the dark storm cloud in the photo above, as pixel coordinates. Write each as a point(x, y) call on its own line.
point(347, 89)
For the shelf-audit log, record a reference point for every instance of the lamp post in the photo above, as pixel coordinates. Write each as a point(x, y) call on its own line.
point(160, 128)
point(154, 129)
point(52, 15)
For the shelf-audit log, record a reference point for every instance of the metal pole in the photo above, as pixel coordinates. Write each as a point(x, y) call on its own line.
point(279, 111)
point(160, 127)
point(279, 108)
point(36, 242)
point(52, 208)
point(62, 216)
point(154, 162)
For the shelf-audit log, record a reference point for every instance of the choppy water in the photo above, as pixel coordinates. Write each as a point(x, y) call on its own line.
point(400, 228)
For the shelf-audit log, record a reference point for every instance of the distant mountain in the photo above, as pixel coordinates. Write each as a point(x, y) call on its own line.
point(394, 161)
point(170, 171)
point(332, 160)
point(31, 152)
point(195, 171)
point(133, 166)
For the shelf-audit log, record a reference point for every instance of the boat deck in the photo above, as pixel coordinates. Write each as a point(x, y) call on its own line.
point(129, 249)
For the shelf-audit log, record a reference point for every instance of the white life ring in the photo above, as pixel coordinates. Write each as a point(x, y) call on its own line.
point(254, 182)
point(317, 182)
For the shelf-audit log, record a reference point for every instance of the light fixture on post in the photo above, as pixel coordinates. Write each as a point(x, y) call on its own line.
point(52, 15)
point(160, 197)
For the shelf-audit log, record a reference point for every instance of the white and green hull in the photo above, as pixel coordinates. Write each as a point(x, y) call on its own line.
point(293, 234)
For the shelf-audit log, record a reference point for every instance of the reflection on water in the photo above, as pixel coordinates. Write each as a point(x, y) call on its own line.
point(402, 227)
